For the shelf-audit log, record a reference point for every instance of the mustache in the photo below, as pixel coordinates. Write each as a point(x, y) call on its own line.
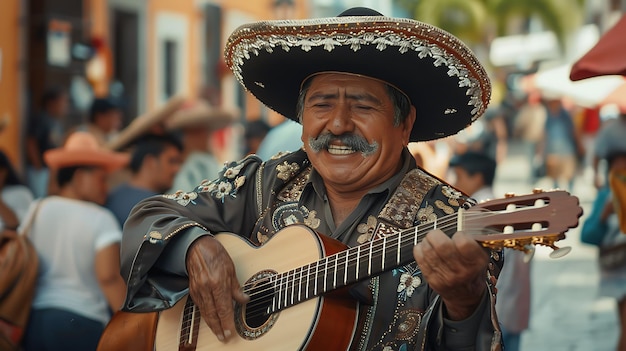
point(353, 141)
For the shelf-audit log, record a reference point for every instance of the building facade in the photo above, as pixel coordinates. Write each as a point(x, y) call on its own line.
point(143, 51)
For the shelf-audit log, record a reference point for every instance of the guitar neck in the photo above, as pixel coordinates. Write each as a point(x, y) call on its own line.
point(349, 266)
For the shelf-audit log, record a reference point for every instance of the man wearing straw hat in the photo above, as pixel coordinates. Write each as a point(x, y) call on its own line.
point(196, 121)
point(363, 86)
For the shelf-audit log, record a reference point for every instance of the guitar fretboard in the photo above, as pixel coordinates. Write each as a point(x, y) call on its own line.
point(351, 265)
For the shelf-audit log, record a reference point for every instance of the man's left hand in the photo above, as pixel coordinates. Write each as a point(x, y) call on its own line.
point(455, 268)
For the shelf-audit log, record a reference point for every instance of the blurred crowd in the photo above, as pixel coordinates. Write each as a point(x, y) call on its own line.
point(177, 146)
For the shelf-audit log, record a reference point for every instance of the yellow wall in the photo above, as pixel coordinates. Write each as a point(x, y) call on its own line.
point(9, 80)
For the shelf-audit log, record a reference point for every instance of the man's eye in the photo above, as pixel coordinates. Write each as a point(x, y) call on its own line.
point(363, 107)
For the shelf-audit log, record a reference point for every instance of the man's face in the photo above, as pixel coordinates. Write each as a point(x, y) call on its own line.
point(465, 182)
point(342, 105)
point(166, 166)
point(91, 185)
point(111, 120)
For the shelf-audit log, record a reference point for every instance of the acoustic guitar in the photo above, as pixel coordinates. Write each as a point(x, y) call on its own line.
point(294, 280)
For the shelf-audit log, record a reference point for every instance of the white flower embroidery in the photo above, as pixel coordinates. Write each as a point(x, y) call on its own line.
point(239, 181)
point(182, 198)
point(232, 172)
point(427, 214)
point(223, 189)
point(408, 283)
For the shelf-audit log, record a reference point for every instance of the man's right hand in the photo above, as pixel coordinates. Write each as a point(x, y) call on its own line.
point(213, 285)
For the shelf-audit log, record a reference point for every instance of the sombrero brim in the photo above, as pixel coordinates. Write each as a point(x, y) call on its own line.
point(210, 117)
point(142, 124)
point(441, 76)
point(110, 161)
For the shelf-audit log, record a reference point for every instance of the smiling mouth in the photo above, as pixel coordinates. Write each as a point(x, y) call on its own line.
point(340, 150)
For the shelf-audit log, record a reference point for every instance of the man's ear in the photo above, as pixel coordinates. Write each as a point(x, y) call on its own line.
point(408, 125)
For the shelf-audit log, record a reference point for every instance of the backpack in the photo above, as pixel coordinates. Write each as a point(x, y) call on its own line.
point(19, 266)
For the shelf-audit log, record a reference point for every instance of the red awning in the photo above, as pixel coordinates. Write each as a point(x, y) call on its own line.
point(607, 57)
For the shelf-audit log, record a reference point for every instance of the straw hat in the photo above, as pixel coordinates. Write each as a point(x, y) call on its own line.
point(82, 149)
point(142, 124)
point(200, 113)
point(441, 76)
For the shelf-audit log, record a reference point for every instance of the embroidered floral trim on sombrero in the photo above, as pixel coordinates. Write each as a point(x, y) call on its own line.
point(401, 34)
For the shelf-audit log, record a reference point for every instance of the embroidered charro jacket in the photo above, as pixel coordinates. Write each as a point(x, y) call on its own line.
point(398, 310)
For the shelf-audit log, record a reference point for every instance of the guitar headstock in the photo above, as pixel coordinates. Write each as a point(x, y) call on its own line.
point(521, 222)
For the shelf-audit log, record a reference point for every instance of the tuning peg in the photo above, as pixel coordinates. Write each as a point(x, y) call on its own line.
point(559, 251)
point(509, 195)
point(529, 251)
point(538, 191)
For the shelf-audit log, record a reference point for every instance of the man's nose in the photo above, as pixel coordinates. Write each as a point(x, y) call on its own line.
point(341, 120)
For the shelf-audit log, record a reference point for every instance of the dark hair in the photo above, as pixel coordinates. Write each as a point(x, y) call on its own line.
point(474, 162)
point(256, 129)
point(101, 105)
point(65, 174)
point(614, 155)
point(51, 94)
point(151, 145)
point(12, 177)
point(401, 103)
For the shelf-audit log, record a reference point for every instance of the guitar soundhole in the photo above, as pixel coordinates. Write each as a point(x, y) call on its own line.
point(253, 319)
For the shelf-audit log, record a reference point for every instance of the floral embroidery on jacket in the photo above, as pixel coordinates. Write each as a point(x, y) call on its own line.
point(452, 194)
point(226, 185)
point(286, 171)
point(366, 230)
point(311, 219)
point(182, 197)
point(427, 214)
point(445, 208)
point(409, 280)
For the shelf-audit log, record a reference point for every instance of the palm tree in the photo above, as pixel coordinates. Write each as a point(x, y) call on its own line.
point(478, 21)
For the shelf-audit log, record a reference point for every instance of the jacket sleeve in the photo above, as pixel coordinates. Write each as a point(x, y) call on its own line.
point(160, 229)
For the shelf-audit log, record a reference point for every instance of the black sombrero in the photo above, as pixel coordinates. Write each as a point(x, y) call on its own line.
point(440, 75)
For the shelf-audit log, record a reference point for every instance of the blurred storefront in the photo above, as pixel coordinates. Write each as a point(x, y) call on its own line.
point(141, 51)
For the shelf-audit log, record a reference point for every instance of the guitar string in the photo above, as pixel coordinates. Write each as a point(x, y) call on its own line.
point(445, 222)
point(379, 245)
point(255, 309)
point(291, 277)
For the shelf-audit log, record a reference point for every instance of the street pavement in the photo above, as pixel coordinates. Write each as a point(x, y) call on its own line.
point(566, 313)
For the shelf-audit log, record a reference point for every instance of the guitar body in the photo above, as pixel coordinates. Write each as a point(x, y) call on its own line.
point(298, 280)
point(322, 322)
point(129, 331)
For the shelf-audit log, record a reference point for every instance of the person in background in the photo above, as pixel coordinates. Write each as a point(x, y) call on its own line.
point(488, 136)
point(155, 161)
point(255, 133)
point(105, 120)
point(561, 146)
point(196, 122)
point(474, 175)
point(15, 197)
point(281, 138)
point(45, 131)
point(357, 99)
point(610, 137)
point(608, 220)
point(77, 241)
point(528, 127)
